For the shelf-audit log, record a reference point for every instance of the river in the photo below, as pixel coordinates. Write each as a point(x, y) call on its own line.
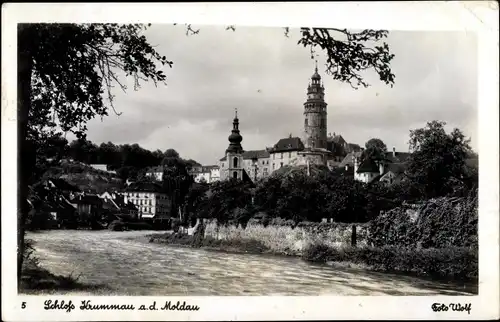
point(129, 265)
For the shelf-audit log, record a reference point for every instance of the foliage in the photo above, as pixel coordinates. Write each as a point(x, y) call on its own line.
point(374, 149)
point(296, 196)
point(437, 159)
point(223, 199)
point(347, 53)
point(439, 223)
point(117, 225)
point(451, 263)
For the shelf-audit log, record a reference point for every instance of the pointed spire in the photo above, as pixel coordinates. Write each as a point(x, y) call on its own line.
point(316, 69)
point(235, 112)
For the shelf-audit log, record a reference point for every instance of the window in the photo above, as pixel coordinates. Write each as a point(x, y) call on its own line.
point(263, 162)
point(223, 164)
point(282, 155)
point(306, 122)
point(281, 164)
point(273, 166)
point(289, 155)
point(235, 175)
point(235, 162)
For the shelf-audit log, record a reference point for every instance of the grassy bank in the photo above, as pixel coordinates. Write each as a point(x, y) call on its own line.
point(453, 263)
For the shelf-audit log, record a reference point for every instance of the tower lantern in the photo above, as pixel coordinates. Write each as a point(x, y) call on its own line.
point(315, 116)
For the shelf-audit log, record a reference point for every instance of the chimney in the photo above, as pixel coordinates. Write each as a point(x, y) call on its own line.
point(393, 152)
point(381, 168)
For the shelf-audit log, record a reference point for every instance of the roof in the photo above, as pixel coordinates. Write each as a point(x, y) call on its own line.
point(396, 168)
point(246, 178)
point(337, 139)
point(256, 154)
point(144, 187)
point(155, 169)
point(348, 158)
point(88, 200)
point(354, 147)
point(368, 166)
point(288, 144)
point(398, 158)
point(64, 185)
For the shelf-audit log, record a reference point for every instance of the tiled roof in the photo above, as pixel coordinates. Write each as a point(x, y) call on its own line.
point(337, 139)
point(255, 154)
point(144, 187)
point(87, 200)
point(348, 159)
point(368, 166)
point(223, 158)
point(398, 158)
point(288, 144)
point(396, 168)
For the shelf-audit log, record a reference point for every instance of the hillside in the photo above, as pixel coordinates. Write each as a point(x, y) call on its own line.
point(84, 177)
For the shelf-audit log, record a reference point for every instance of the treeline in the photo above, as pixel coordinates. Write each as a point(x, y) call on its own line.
point(436, 168)
point(126, 159)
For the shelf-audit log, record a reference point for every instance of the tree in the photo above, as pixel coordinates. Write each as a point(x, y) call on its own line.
point(64, 71)
point(374, 149)
point(437, 159)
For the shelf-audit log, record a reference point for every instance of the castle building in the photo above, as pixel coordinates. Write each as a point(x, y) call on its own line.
point(313, 147)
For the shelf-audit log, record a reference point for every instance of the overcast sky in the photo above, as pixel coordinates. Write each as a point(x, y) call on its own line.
point(265, 75)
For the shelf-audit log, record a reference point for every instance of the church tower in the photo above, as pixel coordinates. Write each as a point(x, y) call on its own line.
point(234, 152)
point(315, 135)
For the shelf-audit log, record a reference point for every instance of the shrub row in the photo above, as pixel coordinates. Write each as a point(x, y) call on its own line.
point(452, 263)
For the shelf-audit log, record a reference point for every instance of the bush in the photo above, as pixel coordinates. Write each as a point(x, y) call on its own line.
point(453, 262)
point(438, 223)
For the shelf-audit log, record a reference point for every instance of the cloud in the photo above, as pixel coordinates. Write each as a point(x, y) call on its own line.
point(264, 75)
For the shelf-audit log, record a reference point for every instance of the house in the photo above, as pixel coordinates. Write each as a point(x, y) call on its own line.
point(102, 167)
point(256, 163)
point(156, 173)
point(150, 200)
point(87, 205)
point(285, 152)
point(389, 171)
point(118, 203)
point(207, 174)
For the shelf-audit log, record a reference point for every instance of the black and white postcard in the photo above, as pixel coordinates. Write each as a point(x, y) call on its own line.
point(250, 161)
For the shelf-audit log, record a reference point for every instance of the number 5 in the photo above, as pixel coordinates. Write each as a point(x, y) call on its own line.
point(23, 305)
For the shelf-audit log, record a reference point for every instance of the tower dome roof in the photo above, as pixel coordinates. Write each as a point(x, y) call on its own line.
point(316, 75)
point(235, 137)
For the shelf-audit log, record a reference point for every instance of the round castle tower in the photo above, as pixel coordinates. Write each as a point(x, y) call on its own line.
point(315, 134)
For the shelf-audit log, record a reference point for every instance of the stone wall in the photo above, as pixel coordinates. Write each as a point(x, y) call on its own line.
point(291, 241)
